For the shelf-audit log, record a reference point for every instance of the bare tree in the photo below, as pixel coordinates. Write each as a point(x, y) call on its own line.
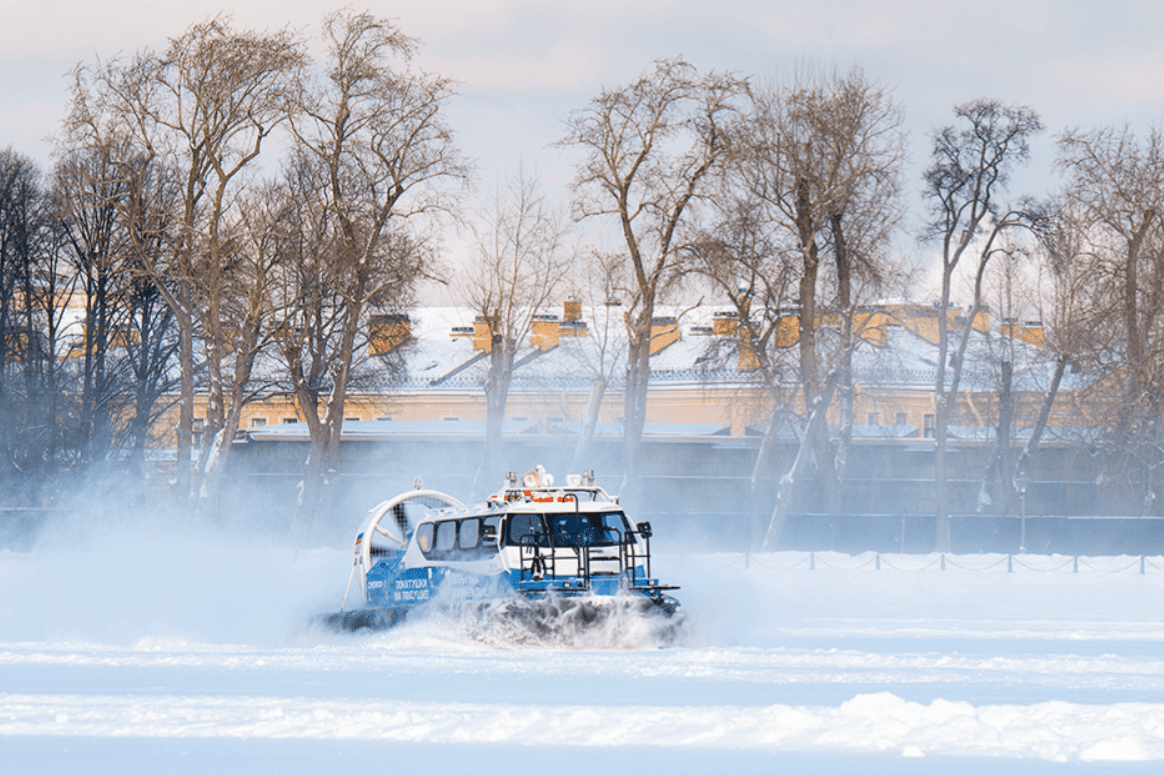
point(22, 226)
point(759, 277)
point(36, 284)
point(972, 163)
point(1010, 361)
point(203, 108)
point(1115, 188)
point(87, 188)
point(820, 164)
point(374, 134)
point(650, 150)
point(152, 340)
point(523, 263)
point(125, 343)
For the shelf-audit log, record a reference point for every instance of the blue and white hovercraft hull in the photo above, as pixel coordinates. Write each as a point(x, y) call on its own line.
point(528, 548)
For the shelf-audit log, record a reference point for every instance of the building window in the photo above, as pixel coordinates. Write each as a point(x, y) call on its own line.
point(196, 432)
point(383, 419)
point(289, 420)
point(258, 422)
point(871, 418)
point(901, 419)
point(450, 419)
point(351, 419)
point(929, 426)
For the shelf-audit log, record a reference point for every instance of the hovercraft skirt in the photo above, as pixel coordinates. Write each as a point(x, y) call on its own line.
point(364, 619)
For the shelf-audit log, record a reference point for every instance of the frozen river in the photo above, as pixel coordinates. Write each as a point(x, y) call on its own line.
point(120, 658)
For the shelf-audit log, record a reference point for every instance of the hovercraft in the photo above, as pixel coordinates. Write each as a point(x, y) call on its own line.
point(532, 547)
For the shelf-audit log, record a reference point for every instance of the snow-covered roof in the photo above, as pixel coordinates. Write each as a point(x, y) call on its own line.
point(434, 359)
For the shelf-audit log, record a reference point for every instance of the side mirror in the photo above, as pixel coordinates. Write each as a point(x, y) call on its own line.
point(644, 529)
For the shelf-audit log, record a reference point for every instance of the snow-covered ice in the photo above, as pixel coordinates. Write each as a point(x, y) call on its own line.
point(155, 654)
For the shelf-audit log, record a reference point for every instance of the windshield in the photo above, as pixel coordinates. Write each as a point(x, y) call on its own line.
point(573, 529)
point(601, 529)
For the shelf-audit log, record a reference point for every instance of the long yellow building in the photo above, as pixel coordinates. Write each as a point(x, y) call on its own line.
point(703, 370)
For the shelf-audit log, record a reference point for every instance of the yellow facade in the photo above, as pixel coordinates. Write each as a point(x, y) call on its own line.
point(734, 405)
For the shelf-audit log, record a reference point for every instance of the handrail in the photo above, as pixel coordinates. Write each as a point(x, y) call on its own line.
point(532, 561)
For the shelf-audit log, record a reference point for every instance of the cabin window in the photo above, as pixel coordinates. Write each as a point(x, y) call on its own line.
point(469, 533)
point(527, 527)
point(424, 537)
point(446, 536)
point(461, 540)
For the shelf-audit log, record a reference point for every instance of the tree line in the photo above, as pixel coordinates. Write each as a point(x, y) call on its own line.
point(231, 214)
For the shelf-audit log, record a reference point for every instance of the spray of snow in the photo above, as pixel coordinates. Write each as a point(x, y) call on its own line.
point(585, 623)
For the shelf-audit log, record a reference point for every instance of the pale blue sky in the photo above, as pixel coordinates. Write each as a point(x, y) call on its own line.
point(525, 65)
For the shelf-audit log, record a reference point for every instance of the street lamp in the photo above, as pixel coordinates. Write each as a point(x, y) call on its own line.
point(1021, 483)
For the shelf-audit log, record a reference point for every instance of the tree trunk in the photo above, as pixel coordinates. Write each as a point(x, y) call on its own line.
point(1041, 421)
point(310, 497)
point(1000, 468)
point(788, 482)
point(760, 473)
point(845, 365)
point(942, 528)
point(330, 430)
point(635, 414)
point(590, 416)
point(182, 482)
point(501, 355)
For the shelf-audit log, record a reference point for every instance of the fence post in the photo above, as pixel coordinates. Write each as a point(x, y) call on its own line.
point(1075, 566)
point(812, 560)
point(878, 561)
point(1009, 566)
point(1141, 565)
point(943, 562)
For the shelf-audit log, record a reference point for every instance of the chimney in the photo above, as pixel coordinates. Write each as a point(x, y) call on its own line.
point(543, 333)
point(788, 327)
point(982, 320)
point(923, 321)
point(872, 325)
point(387, 332)
point(482, 334)
point(1033, 332)
point(664, 332)
point(725, 323)
point(747, 359)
